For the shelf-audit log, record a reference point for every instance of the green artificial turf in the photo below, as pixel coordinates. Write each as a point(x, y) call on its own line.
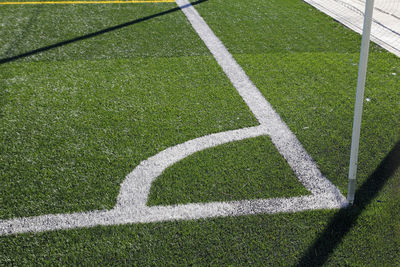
point(72, 131)
point(314, 94)
point(78, 118)
point(83, 115)
point(247, 169)
point(306, 64)
point(279, 239)
point(108, 31)
point(274, 26)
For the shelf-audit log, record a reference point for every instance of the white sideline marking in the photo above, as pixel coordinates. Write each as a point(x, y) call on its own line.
point(131, 204)
point(385, 30)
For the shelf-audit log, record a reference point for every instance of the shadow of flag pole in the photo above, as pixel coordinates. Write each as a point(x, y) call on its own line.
point(362, 70)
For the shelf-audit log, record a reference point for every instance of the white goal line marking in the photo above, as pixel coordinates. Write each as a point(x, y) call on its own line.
point(132, 206)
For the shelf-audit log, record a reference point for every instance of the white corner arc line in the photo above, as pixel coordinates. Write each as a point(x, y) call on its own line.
point(131, 203)
point(285, 141)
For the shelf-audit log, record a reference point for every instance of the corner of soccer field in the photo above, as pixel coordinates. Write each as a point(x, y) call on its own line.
point(218, 133)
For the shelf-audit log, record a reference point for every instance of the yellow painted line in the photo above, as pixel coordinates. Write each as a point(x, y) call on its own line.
point(86, 2)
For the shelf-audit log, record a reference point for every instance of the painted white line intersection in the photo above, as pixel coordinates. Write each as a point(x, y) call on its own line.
point(131, 204)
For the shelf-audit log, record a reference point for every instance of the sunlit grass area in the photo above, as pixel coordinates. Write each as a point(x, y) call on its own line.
point(90, 91)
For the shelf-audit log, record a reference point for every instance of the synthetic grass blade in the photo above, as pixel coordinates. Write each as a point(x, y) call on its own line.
point(131, 206)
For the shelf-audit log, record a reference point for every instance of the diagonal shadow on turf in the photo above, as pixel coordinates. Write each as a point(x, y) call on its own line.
point(90, 35)
point(345, 219)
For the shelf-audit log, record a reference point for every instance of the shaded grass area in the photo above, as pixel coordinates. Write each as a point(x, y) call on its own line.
point(310, 80)
point(279, 239)
point(253, 239)
point(31, 27)
point(344, 220)
point(305, 64)
point(247, 169)
point(72, 131)
point(79, 117)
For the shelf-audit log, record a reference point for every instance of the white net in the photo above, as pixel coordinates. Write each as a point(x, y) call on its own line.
point(386, 19)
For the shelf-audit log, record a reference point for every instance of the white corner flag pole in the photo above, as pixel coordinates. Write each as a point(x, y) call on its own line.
point(362, 70)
